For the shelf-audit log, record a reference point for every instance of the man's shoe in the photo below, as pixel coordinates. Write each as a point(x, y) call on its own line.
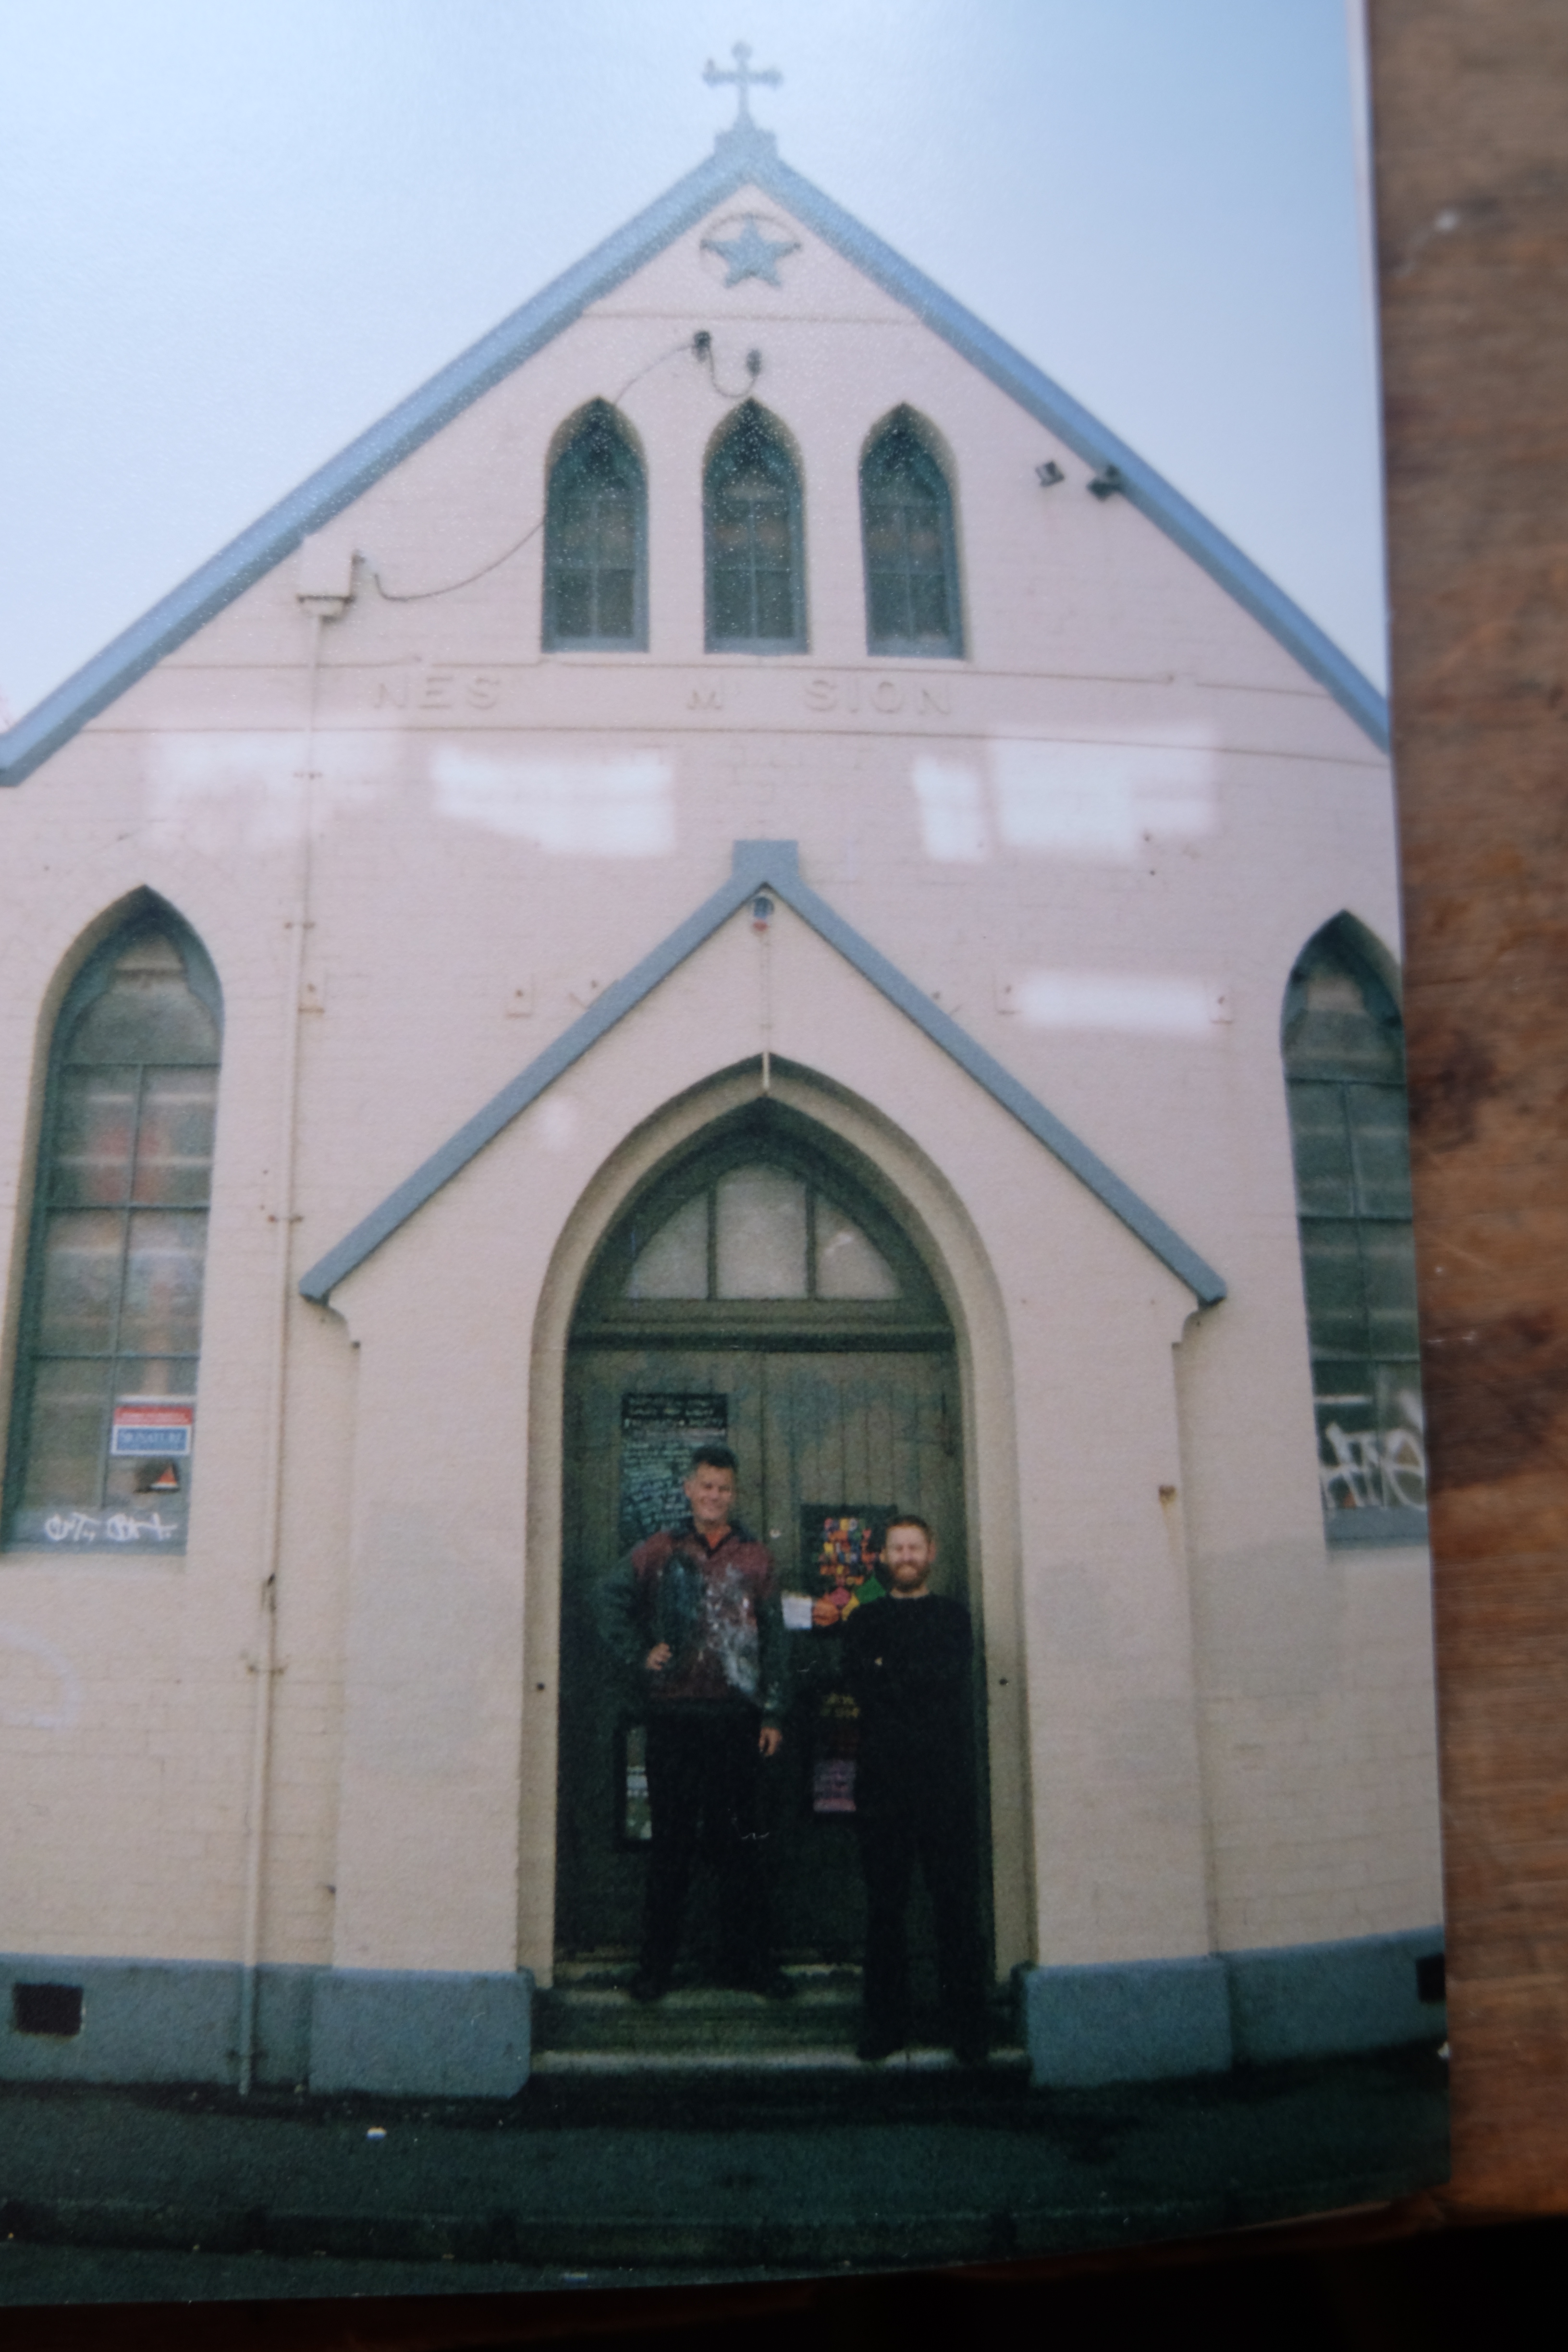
point(645, 1986)
point(876, 2045)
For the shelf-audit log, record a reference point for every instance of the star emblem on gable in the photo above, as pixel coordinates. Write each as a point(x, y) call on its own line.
point(750, 254)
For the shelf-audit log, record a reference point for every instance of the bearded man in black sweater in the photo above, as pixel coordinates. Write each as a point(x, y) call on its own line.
point(907, 1662)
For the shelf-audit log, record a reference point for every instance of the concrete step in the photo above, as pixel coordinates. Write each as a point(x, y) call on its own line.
point(588, 2017)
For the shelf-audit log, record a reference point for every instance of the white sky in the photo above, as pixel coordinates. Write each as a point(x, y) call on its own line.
point(233, 232)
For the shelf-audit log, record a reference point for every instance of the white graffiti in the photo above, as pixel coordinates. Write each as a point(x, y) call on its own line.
point(109, 1526)
point(1373, 1468)
point(68, 1702)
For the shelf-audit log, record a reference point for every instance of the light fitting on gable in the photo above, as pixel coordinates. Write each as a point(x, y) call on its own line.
point(1049, 474)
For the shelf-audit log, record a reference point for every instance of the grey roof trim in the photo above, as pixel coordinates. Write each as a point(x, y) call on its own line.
point(740, 154)
point(775, 867)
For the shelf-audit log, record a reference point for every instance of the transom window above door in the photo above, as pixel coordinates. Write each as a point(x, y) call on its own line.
point(759, 1231)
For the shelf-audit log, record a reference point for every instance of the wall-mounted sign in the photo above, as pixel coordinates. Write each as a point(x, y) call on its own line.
point(153, 1425)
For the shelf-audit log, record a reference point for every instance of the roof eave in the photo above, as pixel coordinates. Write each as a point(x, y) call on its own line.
point(773, 865)
point(334, 486)
point(742, 154)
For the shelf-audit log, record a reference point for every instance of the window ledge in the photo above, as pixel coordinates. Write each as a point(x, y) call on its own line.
point(1376, 1525)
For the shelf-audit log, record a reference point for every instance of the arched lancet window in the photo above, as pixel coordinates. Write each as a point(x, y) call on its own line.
point(103, 1416)
point(911, 562)
point(1344, 1067)
point(596, 553)
point(759, 1231)
point(755, 544)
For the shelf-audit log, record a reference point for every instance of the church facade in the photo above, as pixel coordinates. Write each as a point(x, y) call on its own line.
point(738, 867)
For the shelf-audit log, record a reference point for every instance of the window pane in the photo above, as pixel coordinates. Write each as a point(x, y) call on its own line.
point(574, 604)
point(847, 1265)
point(762, 1235)
point(674, 1264)
point(615, 604)
point(1324, 1185)
point(175, 1139)
point(1336, 1312)
point(69, 1436)
point(95, 1129)
point(162, 1308)
point(81, 1281)
point(889, 605)
point(594, 525)
point(730, 603)
point(906, 519)
point(753, 538)
point(928, 592)
point(148, 1013)
point(775, 605)
point(1389, 1256)
point(1381, 1143)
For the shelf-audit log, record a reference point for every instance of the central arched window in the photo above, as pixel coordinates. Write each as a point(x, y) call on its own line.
point(755, 538)
point(1344, 1067)
point(762, 1232)
point(102, 1425)
point(759, 1231)
point(911, 562)
point(595, 557)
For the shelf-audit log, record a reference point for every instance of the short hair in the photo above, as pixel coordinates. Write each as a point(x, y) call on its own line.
point(715, 1457)
point(908, 1519)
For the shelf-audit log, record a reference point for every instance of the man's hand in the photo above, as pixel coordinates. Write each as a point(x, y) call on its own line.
point(826, 1614)
point(770, 1739)
point(659, 1658)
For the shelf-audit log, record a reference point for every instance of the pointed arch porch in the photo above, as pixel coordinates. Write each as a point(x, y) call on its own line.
point(927, 1212)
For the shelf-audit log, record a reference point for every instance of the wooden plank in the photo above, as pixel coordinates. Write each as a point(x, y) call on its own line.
point(1471, 106)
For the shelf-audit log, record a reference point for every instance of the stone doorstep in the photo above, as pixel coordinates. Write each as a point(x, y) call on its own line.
point(805, 2058)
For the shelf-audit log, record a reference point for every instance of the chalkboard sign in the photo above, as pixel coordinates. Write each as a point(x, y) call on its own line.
point(658, 1431)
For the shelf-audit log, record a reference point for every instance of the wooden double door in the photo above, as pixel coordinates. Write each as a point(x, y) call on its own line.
point(830, 1441)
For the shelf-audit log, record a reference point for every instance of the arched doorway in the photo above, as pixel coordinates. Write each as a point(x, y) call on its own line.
point(756, 1288)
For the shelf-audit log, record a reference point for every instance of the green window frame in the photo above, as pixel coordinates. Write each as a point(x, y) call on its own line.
point(910, 546)
point(755, 540)
point(1343, 1047)
point(103, 1403)
point(596, 539)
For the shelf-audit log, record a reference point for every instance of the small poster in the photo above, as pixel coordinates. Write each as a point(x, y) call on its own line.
point(659, 1432)
point(160, 1425)
point(837, 1737)
point(840, 1548)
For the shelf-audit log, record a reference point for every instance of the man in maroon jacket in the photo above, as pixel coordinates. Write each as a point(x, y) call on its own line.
point(693, 1614)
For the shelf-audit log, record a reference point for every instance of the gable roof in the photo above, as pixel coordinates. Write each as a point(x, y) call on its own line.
point(773, 865)
point(744, 155)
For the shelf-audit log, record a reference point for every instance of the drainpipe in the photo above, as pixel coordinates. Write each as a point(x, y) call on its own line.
point(324, 589)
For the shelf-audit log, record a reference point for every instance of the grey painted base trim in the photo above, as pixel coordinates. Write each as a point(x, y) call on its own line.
point(1117, 2023)
point(1137, 2021)
point(443, 2035)
point(1309, 2000)
point(436, 2035)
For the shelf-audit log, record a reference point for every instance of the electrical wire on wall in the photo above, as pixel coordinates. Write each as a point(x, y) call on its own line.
point(699, 347)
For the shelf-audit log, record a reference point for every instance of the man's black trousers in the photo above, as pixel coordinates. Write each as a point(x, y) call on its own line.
point(933, 1825)
point(705, 1796)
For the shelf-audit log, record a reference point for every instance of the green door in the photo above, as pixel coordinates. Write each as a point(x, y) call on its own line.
point(759, 1297)
point(822, 1439)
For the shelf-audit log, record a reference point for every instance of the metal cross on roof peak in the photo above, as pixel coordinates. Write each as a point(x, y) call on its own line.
point(741, 73)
